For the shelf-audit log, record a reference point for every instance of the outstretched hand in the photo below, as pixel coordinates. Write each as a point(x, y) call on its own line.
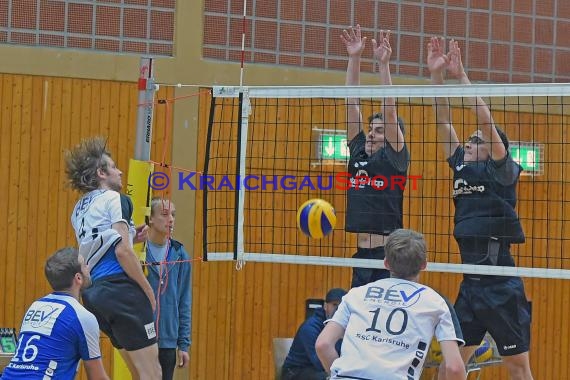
point(437, 60)
point(353, 41)
point(455, 66)
point(382, 48)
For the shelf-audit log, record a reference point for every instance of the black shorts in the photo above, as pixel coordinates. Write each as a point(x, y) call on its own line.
point(123, 311)
point(363, 276)
point(499, 307)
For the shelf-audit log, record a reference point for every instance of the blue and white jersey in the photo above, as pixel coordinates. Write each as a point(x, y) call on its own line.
point(57, 331)
point(389, 325)
point(92, 219)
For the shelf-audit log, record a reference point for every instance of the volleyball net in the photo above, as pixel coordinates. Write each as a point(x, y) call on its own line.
point(269, 149)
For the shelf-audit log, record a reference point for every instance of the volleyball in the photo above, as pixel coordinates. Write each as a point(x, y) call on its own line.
point(316, 218)
point(484, 352)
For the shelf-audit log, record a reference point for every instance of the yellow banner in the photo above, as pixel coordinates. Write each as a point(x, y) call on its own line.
point(141, 194)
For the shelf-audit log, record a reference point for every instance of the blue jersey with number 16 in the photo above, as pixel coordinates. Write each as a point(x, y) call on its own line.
point(56, 332)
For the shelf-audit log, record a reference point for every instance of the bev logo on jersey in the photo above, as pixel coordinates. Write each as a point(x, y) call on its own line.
point(41, 317)
point(403, 295)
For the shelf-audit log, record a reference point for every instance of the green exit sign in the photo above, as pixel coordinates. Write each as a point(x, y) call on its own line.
point(333, 147)
point(528, 156)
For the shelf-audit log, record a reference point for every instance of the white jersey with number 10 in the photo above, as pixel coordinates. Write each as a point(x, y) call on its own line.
point(389, 325)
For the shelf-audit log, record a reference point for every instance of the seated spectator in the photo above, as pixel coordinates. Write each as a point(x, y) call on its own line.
point(302, 362)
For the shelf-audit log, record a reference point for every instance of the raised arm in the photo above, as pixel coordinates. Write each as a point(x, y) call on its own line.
point(437, 63)
point(485, 121)
point(382, 53)
point(354, 43)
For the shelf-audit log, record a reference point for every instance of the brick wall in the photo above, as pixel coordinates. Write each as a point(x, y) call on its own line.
point(502, 40)
point(126, 26)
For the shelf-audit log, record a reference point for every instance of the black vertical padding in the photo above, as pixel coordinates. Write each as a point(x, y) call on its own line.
point(205, 172)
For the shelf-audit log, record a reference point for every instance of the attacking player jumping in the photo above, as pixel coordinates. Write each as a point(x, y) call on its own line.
point(121, 297)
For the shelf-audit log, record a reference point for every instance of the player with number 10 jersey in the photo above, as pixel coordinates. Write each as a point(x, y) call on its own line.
point(390, 324)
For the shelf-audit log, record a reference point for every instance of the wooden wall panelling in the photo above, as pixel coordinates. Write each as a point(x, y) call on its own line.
point(6, 297)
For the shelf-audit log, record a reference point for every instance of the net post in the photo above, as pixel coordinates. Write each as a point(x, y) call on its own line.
point(140, 168)
point(147, 88)
point(139, 172)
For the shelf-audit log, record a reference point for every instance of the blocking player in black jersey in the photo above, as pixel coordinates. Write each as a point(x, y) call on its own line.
point(378, 161)
point(121, 297)
point(486, 224)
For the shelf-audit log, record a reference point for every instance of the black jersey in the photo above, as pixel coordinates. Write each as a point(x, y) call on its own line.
point(484, 194)
point(375, 205)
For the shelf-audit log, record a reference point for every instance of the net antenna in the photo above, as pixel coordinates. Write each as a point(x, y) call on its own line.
point(243, 28)
point(279, 136)
point(243, 118)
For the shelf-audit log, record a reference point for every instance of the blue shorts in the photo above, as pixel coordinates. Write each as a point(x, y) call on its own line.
point(363, 276)
point(499, 307)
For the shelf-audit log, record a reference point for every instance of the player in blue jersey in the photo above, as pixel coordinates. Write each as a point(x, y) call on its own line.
point(378, 153)
point(57, 331)
point(121, 297)
point(388, 325)
point(486, 223)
